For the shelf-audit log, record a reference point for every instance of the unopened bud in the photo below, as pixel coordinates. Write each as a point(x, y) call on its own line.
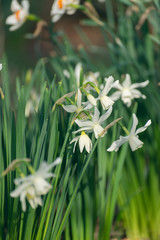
point(92, 99)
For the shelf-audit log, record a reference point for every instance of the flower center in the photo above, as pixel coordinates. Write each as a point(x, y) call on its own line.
point(83, 133)
point(18, 15)
point(98, 128)
point(29, 196)
point(60, 4)
point(79, 109)
point(126, 93)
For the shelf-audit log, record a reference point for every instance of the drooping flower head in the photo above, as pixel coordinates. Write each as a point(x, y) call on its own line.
point(35, 185)
point(127, 91)
point(94, 125)
point(84, 142)
point(105, 100)
point(132, 138)
point(60, 7)
point(20, 13)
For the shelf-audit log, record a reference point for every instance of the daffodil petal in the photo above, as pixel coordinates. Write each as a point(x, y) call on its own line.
point(127, 81)
point(79, 96)
point(11, 20)
point(115, 96)
point(106, 102)
point(74, 140)
point(134, 125)
point(19, 189)
point(85, 141)
point(96, 115)
point(116, 144)
point(82, 123)
point(15, 6)
point(16, 26)
point(105, 116)
point(69, 108)
point(77, 73)
point(97, 130)
point(25, 5)
point(90, 129)
point(137, 85)
point(108, 86)
point(56, 17)
point(137, 94)
point(135, 143)
point(142, 129)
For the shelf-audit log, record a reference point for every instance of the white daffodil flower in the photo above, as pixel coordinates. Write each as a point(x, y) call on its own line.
point(95, 124)
point(32, 104)
point(27, 191)
point(91, 77)
point(35, 185)
point(132, 138)
point(127, 91)
point(60, 7)
point(77, 109)
point(0, 66)
point(106, 101)
point(84, 141)
point(20, 13)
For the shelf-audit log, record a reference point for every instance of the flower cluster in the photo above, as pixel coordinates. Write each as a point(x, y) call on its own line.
point(58, 9)
point(92, 120)
point(21, 11)
point(32, 187)
point(88, 115)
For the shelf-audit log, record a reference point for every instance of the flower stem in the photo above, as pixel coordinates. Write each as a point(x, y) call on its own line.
point(124, 128)
point(34, 18)
point(75, 192)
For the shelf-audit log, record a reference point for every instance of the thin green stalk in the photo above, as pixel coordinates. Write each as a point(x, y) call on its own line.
point(109, 216)
point(58, 172)
point(110, 13)
point(74, 193)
